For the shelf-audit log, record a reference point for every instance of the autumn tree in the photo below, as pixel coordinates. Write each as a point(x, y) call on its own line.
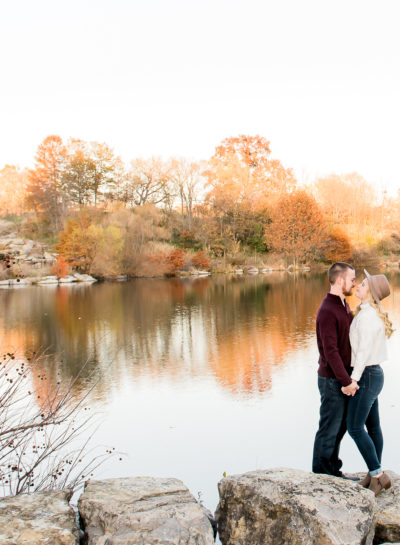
point(298, 228)
point(45, 193)
point(244, 181)
point(108, 171)
point(187, 181)
point(80, 241)
point(147, 181)
point(346, 199)
point(337, 245)
point(79, 173)
point(13, 181)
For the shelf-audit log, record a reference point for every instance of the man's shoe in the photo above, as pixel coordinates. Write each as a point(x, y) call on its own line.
point(365, 482)
point(377, 484)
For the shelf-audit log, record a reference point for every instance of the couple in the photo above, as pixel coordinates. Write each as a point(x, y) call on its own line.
point(352, 345)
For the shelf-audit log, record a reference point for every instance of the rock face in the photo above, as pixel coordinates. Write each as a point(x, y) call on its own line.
point(287, 506)
point(142, 510)
point(38, 519)
point(388, 512)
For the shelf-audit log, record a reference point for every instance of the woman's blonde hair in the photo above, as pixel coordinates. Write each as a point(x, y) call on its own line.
point(382, 315)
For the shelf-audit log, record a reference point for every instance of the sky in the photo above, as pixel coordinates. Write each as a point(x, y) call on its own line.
point(320, 80)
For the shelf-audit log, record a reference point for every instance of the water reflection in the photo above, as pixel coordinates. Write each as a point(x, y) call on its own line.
point(234, 329)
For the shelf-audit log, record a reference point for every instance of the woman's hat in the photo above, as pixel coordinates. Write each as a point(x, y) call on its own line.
point(378, 285)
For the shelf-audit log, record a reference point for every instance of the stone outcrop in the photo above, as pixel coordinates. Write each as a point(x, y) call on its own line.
point(287, 506)
point(388, 511)
point(142, 510)
point(38, 519)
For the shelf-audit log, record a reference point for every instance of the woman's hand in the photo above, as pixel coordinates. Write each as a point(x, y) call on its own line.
point(351, 389)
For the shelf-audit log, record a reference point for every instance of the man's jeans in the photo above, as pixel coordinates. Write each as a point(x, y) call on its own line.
point(332, 427)
point(363, 411)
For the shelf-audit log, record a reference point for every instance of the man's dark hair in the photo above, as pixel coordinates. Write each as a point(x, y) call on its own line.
point(336, 270)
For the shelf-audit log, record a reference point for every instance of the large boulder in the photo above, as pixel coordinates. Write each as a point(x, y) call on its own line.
point(287, 506)
point(387, 511)
point(38, 519)
point(142, 510)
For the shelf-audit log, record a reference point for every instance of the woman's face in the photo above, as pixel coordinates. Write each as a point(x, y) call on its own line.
point(362, 291)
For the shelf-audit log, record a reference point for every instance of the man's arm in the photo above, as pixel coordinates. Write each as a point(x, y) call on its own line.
point(329, 338)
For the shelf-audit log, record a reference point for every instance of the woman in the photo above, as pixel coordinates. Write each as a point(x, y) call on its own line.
point(368, 332)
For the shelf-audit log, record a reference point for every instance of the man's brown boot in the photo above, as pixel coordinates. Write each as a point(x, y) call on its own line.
point(365, 481)
point(377, 484)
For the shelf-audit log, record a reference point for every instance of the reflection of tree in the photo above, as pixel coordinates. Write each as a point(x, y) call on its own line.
point(234, 329)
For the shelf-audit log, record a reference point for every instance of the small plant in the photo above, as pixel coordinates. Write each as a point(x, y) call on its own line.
point(41, 444)
point(60, 268)
point(200, 260)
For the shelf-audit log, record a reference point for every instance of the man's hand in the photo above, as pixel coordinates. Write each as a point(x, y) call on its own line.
point(351, 389)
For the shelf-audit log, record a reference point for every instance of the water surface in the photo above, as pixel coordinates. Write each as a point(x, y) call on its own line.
point(196, 377)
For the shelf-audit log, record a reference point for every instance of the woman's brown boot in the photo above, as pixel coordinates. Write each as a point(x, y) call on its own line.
point(377, 484)
point(365, 481)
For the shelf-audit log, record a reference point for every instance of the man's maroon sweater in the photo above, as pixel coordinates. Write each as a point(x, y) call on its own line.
point(333, 326)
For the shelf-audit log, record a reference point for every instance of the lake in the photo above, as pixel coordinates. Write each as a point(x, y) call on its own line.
point(195, 376)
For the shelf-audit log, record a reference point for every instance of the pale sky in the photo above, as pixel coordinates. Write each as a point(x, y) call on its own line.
point(320, 80)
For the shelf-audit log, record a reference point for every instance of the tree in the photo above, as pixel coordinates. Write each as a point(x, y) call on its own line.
point(45, 192)
point(186, 178)
point(245, 182)
point(108, 171)
point(337, 245)
point(79, 173)
point(79, 241)
point(147, 182)
point(13, 182)
point(346, 198)
point(298, 228)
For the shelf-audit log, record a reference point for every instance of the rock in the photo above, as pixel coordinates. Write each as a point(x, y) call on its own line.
point(47, 280)
point(239, 271)
point(387, 510)
point(16, 282)
point(122, 278)
point(67, 279)
point(287, 506)
point(252, 270)
point(142, 510)
point(49, 258)
point(39, 518)
point(4, 283)
point(84, 277)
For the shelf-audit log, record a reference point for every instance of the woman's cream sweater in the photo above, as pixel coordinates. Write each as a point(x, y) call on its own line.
point(367, 339)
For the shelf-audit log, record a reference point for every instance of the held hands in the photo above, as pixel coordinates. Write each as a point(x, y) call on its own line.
point(351, 389)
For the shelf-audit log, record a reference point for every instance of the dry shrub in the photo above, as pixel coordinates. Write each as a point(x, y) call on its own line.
point(175, 260)
point(200, 260)
point(338, 246)
point(60, 268)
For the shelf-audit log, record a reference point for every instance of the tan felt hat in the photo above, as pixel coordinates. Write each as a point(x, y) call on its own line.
point(378, 285)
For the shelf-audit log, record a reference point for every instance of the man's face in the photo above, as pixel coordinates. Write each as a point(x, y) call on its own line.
point(349, 281)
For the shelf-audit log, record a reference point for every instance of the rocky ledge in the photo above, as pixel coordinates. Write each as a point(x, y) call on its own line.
point(276, 506)
point(287, 506)
point(37, 519)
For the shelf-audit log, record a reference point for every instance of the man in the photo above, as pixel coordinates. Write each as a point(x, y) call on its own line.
point(333, 326)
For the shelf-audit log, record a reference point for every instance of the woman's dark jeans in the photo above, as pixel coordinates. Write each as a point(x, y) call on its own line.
point(332, 427)
point(363, 411)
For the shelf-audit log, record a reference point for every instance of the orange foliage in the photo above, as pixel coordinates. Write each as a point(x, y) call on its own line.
point(298, 228)
point(242, 171)
point(338, 246)
point(60, 268)
point(200, 260)
point(175, 260)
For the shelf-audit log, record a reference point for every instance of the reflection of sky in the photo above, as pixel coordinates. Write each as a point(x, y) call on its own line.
point(204, 383)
